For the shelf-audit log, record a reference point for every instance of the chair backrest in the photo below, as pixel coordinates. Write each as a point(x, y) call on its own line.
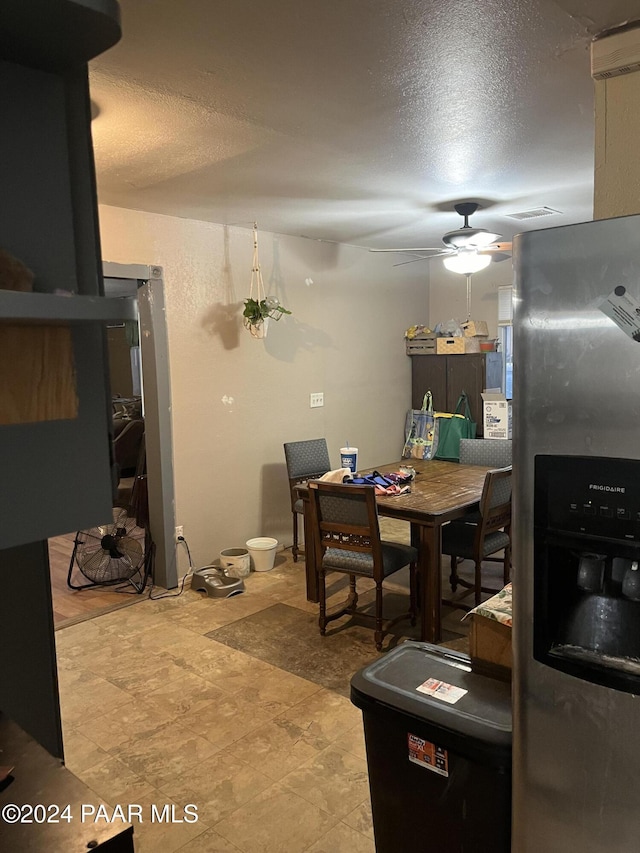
point(486, 451)
point(305, 460)
point(126, 442)
point(345, 516)
point(495, 504)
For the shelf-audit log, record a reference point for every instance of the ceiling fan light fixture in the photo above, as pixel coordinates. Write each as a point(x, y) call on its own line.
point(472, 238)
point(466, 261)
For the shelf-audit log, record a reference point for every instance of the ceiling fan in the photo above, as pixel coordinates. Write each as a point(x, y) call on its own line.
point(467, 249)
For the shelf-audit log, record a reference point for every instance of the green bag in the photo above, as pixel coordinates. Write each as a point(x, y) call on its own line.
point(450, 428)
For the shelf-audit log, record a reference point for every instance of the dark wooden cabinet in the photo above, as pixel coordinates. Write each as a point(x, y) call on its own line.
point(446, 376)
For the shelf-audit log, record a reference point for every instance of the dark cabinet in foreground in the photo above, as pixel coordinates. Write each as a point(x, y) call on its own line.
point(446, 376)
point(46, 808)
point(55, 412)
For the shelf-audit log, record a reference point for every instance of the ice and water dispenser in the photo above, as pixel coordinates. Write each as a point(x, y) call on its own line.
point(587, 568)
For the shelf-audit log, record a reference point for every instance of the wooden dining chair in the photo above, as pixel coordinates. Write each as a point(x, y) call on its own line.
point(479, 538)
point(347, 540)
point(495, 452)
point(305, 460)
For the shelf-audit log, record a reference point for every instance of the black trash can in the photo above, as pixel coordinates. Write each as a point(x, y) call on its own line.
point(438, 740)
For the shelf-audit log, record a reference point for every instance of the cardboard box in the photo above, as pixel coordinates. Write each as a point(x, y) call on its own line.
point(476, 328)
point(496, 411)
point(490, 647)
point(446, 346)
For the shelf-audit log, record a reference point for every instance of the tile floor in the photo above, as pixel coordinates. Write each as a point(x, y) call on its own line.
point(157, 712)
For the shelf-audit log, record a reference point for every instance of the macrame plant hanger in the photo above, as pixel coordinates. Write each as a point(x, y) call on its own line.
point(256, 289)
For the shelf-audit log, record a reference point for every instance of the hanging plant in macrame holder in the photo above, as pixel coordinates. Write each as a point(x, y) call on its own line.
point(259, 308)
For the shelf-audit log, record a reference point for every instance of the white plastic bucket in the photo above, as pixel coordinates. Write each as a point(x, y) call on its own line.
point(235, 562)
point(262, 551)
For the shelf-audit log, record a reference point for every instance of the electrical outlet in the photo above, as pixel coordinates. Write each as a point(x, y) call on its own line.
point(179, 531)
point(316, 400)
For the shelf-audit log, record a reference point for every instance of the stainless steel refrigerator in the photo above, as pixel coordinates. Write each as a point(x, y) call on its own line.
point(576, 553)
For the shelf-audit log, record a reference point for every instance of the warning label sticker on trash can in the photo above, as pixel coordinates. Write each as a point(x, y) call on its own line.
point(441, 690)
point(428, 755)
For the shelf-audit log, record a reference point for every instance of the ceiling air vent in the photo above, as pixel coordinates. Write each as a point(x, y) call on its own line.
point(533, 214)
point(617, 53)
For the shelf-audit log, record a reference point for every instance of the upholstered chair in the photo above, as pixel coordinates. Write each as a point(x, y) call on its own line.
point(483, 536)
point(347, 539)
point(305, 460)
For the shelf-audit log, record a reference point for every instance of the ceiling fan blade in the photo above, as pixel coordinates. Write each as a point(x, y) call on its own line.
point(495, 247)
point(412, 261)
point(425, 258)
point(424, 249)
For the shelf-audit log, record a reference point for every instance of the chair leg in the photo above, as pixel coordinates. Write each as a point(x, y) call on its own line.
point(294, 549)
point(478, 583)
point(413, 597)
point(322, 596)
point(453, 577)
point(507, 566)
point(378, 633)
point(352, 601)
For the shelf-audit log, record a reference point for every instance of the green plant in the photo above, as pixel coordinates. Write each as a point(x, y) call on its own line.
point(256, 312)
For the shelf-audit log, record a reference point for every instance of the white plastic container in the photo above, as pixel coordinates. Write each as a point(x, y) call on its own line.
point(235, 562)
point(262, 551)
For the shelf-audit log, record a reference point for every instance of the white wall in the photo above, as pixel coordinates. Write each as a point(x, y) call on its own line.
point(235, 399)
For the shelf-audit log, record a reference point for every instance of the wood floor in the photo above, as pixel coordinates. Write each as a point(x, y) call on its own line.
point(70, 605)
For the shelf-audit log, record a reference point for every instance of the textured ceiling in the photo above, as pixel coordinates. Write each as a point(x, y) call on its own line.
point(358, 121)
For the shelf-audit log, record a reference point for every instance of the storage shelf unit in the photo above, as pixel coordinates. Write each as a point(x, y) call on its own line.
point(53, 309)
point(56, 469)
point(446, 376)
point(55, 35)
point(49, 221)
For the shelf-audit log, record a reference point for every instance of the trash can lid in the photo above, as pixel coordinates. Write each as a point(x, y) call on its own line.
point(436, 685)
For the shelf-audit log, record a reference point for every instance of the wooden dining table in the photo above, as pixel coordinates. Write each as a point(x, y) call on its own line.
point(440, 492)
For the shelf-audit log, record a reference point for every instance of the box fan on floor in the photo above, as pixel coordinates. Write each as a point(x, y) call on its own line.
point(120, 551)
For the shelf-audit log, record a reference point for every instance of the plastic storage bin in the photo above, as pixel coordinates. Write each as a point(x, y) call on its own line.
point(439, 761)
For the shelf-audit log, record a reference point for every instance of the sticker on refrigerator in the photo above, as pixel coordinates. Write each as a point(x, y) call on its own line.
point(428, 755)
point(441, 690)
point(624, 310)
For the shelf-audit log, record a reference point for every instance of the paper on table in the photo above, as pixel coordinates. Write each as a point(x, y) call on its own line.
point(337, 476)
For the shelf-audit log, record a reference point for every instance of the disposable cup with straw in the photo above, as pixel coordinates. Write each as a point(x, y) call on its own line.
point(349, 457)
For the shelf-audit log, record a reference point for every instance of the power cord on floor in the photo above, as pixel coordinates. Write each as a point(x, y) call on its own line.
point(180, 540)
